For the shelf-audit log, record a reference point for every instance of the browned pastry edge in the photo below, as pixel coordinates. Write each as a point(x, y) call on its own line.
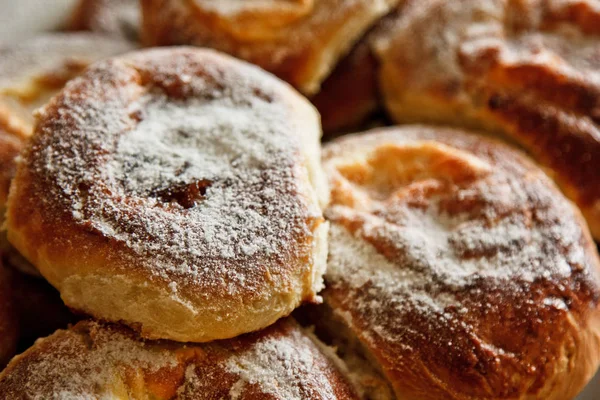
point(31, 72)
point(10, 146)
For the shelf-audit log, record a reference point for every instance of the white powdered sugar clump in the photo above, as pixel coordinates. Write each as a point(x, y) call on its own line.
point(431, 255)
point(278, 366)
point(356, 262)
point(177, 144)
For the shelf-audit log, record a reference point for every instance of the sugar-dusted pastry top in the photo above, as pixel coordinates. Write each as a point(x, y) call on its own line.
point(460, 267)
point(529, 70)
point(96, 360)
point(177, 179)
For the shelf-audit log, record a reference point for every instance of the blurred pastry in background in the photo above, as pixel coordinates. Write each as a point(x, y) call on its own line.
point(113, 17)
point(300, 41)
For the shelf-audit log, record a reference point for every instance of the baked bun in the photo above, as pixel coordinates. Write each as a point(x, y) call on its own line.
point(526, 69)
point(96, 360)
point(113, 17)
point(31, 72)
point(458, 268)
point(176, 190)
point(9, 325)
point(299, 40)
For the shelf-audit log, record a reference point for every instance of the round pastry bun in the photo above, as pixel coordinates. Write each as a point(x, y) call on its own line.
point(300, 41)
point(96, 360)
point(457, 268)
point(528, 70)
point(178, 191)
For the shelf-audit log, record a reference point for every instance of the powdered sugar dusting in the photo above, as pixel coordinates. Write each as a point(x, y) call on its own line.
point(424, 251)
point(226, 147)
point(211, 186)
point(67, 369)
point(277, 365)
point(93, 360)
point(528, 70)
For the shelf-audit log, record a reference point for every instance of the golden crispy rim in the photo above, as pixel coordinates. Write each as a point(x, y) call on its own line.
point(31, 72)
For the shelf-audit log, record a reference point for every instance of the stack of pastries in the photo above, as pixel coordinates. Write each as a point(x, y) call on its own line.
point(173, 227)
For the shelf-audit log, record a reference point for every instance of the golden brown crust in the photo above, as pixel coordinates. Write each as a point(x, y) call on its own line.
point(170, 189)
point(114, 17)
point(9, 326)
point(98, 360)
point(526, 69)
point(460, 267)
point(300, 41)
